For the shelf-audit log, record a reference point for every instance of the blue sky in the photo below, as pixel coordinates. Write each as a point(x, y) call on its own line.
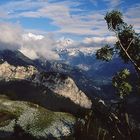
point(38, 27)
point(72, 18)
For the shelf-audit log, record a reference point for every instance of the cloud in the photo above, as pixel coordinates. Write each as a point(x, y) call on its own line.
point(10, 36)
point(113, 3)
point(3, 14)
point(31, 36)
point(95, 2)
point(66, 15)
point(69, 16)
point(41, 46)
point(13, 37)
point(100, 40)
point(132, 16)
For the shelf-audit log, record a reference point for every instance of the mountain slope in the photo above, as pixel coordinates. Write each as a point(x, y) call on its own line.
point(24, 120)
point(15, 58)
point(49, 89)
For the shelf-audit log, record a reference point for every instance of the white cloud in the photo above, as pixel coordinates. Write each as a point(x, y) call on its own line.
point(10, 35)
point(41, 46)
point(100, 40)
point(95, 2)
point(113, 3)
point(33, 46)
point(61, 15)
point(3, 14)
point(91, 25)
point(31, 36)
point(132, 16)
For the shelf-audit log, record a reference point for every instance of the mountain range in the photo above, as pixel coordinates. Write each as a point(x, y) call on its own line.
point(73, 84)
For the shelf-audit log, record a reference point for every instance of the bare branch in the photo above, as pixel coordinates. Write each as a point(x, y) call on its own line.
point(125, 50)
point(129, 44)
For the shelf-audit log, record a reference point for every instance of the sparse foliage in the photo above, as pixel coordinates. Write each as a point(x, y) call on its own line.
point(114, 19)
point(105, 53)
point(120, 82)
point(127, 47)
point(128, 41)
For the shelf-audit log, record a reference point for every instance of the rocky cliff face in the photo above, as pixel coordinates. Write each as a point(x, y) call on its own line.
point(63, 86)
point(59, 84)
point(54, 91)
point(9, 72)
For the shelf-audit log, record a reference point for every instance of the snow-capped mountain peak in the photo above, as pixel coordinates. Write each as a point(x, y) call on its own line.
point(86, 51)
point(64, 42)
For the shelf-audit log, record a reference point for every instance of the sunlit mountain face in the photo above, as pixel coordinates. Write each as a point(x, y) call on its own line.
point(52, 86)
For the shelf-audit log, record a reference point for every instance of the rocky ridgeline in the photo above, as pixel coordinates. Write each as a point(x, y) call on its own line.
point(9, 72)
point(64, 86)
point(25, 119)
point(58, 83)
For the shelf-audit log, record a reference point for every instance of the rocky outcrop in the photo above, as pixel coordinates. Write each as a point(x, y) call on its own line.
point(24, 118)
point(59, 84)
point(9, 72)
point(63, 86)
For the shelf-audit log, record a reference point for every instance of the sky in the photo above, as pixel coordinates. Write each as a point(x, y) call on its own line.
point(80, 20)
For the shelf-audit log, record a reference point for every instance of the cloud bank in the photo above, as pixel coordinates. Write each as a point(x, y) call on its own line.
point(71, 16)
point(10, 36)
point(13, 37)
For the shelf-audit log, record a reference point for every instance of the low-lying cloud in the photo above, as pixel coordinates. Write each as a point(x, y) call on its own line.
point(13, 37)
point(35, 46)
point(100, 40)
point(10, 36)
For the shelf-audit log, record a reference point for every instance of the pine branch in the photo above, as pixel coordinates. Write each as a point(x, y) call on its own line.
point(125, 50)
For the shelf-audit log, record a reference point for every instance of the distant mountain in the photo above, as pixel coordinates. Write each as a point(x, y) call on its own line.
point(83, 82)
point(100, 72)
point(30, 83)
point(92, 76)
point(64, 42)
point(15, 58)
point(85, 59)
point(58, 86)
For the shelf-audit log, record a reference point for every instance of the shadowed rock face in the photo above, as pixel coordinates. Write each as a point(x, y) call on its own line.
point(52, 90)
point(30, 119)
point(57, 83)
point(41, 95)
point(15, 58)
point(64, 86)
